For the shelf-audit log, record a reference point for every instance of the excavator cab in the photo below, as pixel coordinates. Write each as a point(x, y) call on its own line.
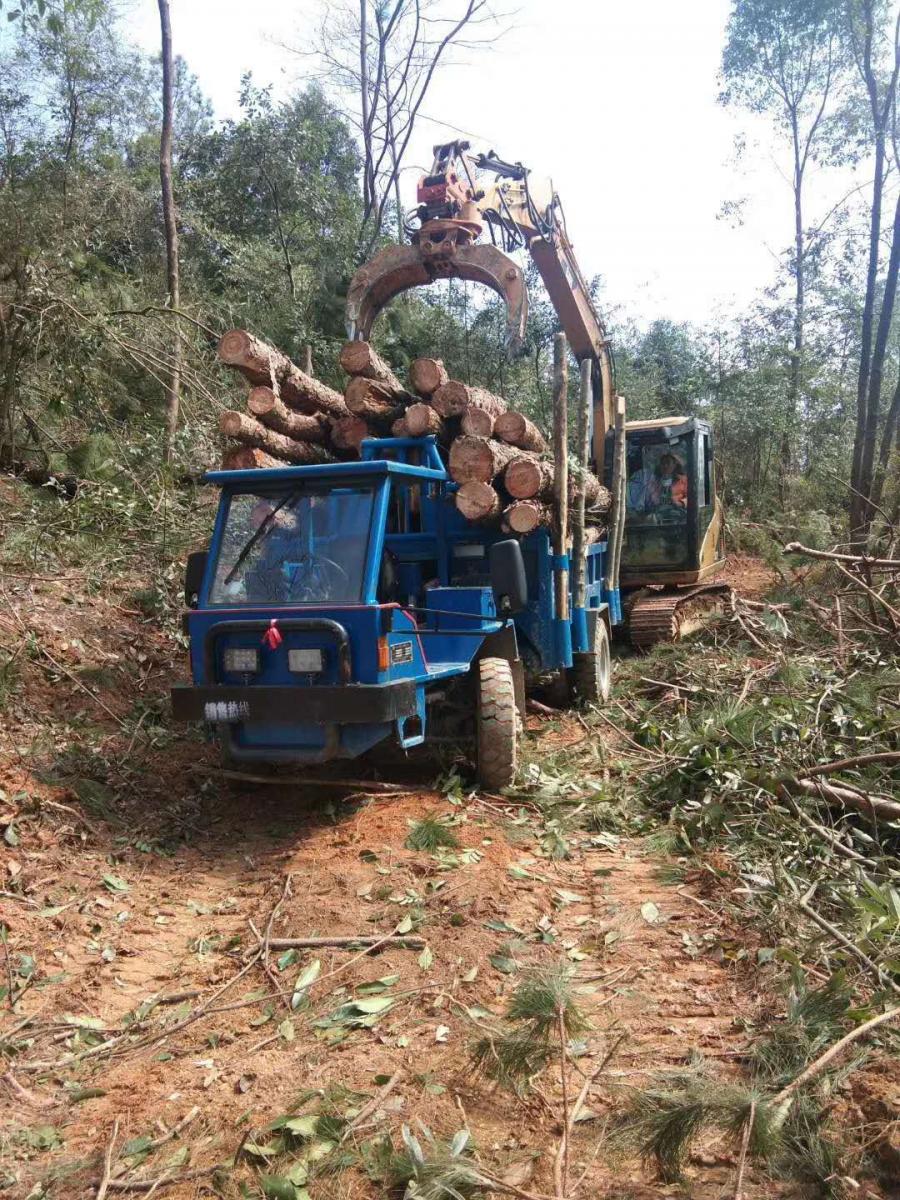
point(673, 522)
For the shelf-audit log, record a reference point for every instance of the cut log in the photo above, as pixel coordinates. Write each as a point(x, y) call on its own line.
point(253, 433)
point(526, 477)
point(359, 358)
point(246, 458)
point(426, 375)
point(517, 430)
point(594, 534)
point(400, 428)
point(373, 400)
point(422, 419)
point(476, 422)
point(524, 516)
point(347, 433)
point(453, 398)
point(478, 501)
point(263, 403)
point(261, 363)
point(479, 458)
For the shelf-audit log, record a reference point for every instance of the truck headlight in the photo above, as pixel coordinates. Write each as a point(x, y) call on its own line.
point(241, 660)
point(305, 662)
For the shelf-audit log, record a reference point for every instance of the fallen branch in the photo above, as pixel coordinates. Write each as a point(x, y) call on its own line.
point(886, 564)
point(860, 760)
point(842, 940)
point(861, 802)
point(405, 943)
point(782, 1101)
point(367, 1109)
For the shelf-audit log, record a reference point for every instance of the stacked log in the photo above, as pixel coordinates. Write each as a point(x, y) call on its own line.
point(478, 501)
point(426, 375)
point(262, 364)
point(251, 432)
point(517, 430)
point(496, 456)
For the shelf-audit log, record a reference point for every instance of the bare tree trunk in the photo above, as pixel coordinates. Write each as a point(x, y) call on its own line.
point(173, 389)
point(796, 376)
point(876, 376)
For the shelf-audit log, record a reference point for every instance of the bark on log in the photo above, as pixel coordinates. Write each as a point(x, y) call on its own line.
point(526, 477)
point(478, 501)
point(347, 433)
point(261, 363)
point(479, 458)
point(359, 358)
point(454, 398)
point(246, 458)
point(426, 375)
point(252, 433)
point(517, 430)
point(263, 403)
point(373, 400)
point(422, 419)
point(524, 516)
point(477, 422)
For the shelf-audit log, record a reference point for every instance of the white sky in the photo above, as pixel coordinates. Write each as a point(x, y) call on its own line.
point(615, 99)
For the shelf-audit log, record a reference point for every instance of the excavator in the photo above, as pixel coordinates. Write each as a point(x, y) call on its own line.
point(671, 544)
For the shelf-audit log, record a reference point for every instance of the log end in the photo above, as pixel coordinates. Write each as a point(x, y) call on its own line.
point(478, 501)
point(523, 478)
point(234, 346)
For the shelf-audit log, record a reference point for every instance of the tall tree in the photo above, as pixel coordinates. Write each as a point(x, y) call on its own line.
point(877, 57)
point(170, 221)
point(782, 59)
point(387, 53)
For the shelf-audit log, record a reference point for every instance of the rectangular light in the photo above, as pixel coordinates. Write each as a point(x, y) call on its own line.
point(241, 660)
point(305, 662)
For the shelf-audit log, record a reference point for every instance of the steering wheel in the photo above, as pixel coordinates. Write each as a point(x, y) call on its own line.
point(318, 576)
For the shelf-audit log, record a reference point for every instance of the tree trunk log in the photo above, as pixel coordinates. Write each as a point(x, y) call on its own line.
point(477, 422)
point(426, 375)
point(252, 433)
point(478, 501)
point(594, 534)
point(359, 358)
point(524, 516)
point(373, 400)
point(245, 458)
point(479, 458)
point(347, 433)
point(454, 398)
point(400, 428)
point(527, 477)
point(422, 419)
point(261, 363)
point(263, 403)
point(517, 430)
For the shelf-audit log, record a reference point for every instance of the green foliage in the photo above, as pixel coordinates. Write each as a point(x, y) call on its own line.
point(437, 1170)
point(431, 833)
point(541, 1019)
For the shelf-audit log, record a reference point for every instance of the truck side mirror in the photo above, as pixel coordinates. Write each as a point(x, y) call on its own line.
point(508, 580)
point(193, 577)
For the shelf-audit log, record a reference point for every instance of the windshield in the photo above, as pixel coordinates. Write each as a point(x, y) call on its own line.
point(656, 503)
point(306, 546)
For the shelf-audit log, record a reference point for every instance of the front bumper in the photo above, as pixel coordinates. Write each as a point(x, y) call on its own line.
point(288, 704)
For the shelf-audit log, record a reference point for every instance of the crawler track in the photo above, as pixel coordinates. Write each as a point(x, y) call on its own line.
point(668, 616)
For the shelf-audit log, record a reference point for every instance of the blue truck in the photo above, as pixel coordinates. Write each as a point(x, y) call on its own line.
point(340, 605)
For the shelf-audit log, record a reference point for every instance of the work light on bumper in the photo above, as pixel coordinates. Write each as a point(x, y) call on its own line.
point(305, 662)
point(241, 660)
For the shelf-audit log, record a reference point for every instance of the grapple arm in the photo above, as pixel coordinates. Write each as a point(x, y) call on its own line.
point(396, 269)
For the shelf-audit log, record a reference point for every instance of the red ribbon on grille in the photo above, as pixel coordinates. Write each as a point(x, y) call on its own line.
point(272, 637)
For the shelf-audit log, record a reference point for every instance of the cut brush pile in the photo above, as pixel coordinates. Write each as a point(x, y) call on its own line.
point(498, 457)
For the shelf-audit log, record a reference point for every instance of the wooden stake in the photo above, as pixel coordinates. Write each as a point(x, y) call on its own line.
point(585, 400)
point(561, 470)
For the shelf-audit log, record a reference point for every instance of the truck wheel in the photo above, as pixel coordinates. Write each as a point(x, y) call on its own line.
point(590, 674)
point(497, 724)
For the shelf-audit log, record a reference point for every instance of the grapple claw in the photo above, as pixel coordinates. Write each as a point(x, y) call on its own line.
point(396, 269)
